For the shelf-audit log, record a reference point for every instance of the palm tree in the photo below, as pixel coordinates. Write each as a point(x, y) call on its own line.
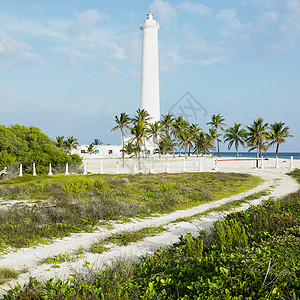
point(70, 143)
point(179, 126)
point(235, 135)
point(167, 122)
point(257, 136)
point(97, 142)
point(166, 144)
point(91, 149)
point(194, 130)
point(213, 136)
point(155, 129)
point(217, 121)
point(122, 124)
point(138, 131)
point(131, 148)
point(60, 141)
point(204, 143)
point(278, 134)
point(143, 117)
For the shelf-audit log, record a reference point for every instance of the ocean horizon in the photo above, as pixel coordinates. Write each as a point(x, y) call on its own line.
point(283, 155)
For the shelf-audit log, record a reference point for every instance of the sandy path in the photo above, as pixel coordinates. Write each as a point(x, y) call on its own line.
point(276, 181)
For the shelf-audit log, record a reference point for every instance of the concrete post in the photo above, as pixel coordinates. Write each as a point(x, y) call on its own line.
point(117, 168)
point(50, 170)
point(33, 169)
point(21, 170)
point(84, 169)
point(101, 166)
point(262, 163)
point(167, 166)
point(277, 163)
point(134, 167)
point(200, 165)
point(151, 166)
point(292, 163)
point(216, 165)
point(67, 169)
point(184, 166)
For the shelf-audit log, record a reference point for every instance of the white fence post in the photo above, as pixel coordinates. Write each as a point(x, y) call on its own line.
point(84, 169)
point(167, 166)
point(292, 163)
point(50, 170)
point(216, 165)
point(184, 166)
point(262, 162)
point(101, 166)
point(33, 170)
point(277, 163)
point(21, 170)
point(200, 165)
point(67, 169)
point(151, 166)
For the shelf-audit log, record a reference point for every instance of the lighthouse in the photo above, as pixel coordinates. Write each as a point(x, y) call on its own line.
point(150, 68)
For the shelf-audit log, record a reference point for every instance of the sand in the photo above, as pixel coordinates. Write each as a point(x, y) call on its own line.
point(276, 181)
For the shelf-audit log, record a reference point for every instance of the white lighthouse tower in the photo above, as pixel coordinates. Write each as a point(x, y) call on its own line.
point(150, 70)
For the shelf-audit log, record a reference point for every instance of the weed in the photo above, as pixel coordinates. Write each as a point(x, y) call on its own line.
point(7, 274)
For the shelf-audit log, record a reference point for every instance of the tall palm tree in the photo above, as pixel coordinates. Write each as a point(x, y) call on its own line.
point(138, 132)
point(122, 124)
point(257, 136)
point(70, 143)
point(179, 126)
point(278, 134)
point(144, 118)
point(167, 122)
point(194, 130)
point(235, 135)
point(97, 142)
point(213, 136)
point(217, 122)
point(60, 141)
point(155, 129)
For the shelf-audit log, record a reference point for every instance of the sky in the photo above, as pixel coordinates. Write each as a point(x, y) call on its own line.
point(69, 67)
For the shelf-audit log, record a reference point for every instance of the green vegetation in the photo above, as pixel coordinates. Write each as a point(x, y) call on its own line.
point(64, 257)
point(28, 145)
point(78, 203)
point(7, 274)
point(252, 254)
point(125, 238)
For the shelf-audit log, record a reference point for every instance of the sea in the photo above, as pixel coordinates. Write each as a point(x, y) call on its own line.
point(284, 155)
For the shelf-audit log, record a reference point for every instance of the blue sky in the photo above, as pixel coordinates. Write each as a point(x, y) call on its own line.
point(70, 66)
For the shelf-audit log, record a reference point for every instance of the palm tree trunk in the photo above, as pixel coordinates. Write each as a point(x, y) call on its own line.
point(218, 148)
point(277, 148)
point(237, 149)
point(123, 153)
point(185, 150)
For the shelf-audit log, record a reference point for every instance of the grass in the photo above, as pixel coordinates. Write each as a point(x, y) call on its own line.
point(7, 274)
point(252, 254)
point(64, 257)
point(77, 203)
point(125, 238)
point(225, 207)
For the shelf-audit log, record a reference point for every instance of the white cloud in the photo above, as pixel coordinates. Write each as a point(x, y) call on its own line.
point(31, 60)
point(71, 55)
point(69, 75)
point(193, 7)
point(11, 103)
point(165, 12)
point(228, 16)
point(86, 21)
point(8, 45)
